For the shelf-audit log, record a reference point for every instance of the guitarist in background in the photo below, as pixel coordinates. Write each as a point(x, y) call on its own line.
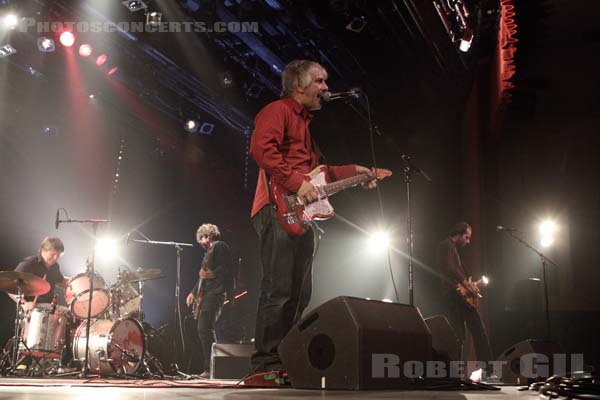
point(282, 147)
point(215, 279)
point(453, 274)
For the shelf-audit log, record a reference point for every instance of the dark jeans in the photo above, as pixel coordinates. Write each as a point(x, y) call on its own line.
point(286, 286)
point(210, 309)
point(463, 317)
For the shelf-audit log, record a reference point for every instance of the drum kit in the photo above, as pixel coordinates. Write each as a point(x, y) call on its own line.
point(49, 334)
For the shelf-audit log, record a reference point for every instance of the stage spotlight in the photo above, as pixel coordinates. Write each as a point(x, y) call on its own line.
point(484, 280)
point(206, 128)
point(106, 249)
point(101, 59)
point(357, 24)
point(112, 71)
point(85, 50)
point(153, 18)
point(134, 5)
point(547, 227)
point(465, 40)
point(67, 39)
point(10, 21)
point(191, 126)
point(7, 50)
point(45, 45)
point(547, 241)
point(379, 241)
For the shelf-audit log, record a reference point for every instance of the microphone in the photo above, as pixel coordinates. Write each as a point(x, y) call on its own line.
point(504, 228)
point(56, 221)
point(328, 96)
point(408, 162)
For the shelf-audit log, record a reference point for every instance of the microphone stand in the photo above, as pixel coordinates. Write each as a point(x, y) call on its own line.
point(408, 169)
point(177, 310)
point(91, 274)
point(545, 261)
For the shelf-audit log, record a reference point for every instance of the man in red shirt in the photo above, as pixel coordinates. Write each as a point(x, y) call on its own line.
point(282, 147)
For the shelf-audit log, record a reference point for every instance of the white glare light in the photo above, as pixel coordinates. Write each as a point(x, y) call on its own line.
point(10, 21)
point(386, 300)
point(547, 241)
point(547, 228)
point(106, 249)
point(379, 241)
point(485, 280)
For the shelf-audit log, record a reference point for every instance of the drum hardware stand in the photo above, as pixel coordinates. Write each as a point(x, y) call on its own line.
point(409, 168)
point(91, 274)
point(177, 308)
point(17, 340)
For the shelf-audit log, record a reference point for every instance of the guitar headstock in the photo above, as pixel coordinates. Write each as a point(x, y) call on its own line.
point(381, 173)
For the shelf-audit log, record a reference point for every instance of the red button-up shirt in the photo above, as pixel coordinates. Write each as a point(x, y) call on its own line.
point(282, 147)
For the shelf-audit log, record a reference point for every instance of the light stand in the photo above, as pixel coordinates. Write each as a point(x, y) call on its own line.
point(177, 308)
point(408, 169)
point(545, 261)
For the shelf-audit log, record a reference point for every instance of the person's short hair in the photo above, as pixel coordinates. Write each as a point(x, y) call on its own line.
point(52, 243)
point(209, 230)
point(299, 72)
point(460, 228)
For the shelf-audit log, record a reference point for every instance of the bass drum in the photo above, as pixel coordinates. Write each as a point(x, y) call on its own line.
point(115, 347)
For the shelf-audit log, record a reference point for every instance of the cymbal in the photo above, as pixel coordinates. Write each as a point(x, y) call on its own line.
point(141, 275)
point(31, 285)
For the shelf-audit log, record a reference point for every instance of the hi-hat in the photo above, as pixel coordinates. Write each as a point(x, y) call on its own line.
point(31, 285)
point(141, 275)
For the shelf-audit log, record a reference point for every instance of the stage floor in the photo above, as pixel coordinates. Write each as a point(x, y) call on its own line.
point(97, 389)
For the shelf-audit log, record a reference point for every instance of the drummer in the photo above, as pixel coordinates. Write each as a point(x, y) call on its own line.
point(45, 266)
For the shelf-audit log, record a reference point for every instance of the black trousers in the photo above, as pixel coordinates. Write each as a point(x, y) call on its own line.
point(210, 309)
point(285, 289)
point(463, 317)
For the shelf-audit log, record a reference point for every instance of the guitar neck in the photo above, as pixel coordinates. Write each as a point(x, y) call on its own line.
point(337, 186)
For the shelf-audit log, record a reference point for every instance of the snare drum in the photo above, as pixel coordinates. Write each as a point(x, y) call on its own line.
point(77, 295)
point(44, 331)
point(114, 346)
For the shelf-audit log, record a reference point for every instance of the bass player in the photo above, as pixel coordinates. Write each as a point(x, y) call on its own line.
point(207, 296)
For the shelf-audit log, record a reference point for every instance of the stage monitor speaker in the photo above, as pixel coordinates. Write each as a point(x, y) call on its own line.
point(517, 370)
point(446, 346)
point(352, 343)
point(230, 361)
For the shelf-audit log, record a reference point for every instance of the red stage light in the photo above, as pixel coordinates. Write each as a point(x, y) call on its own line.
point(85, 50)
point(67, 39)
point(112, 71)
point(101, 59)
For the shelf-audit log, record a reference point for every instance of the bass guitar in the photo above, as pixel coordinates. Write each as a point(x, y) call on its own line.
point(295, 216)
